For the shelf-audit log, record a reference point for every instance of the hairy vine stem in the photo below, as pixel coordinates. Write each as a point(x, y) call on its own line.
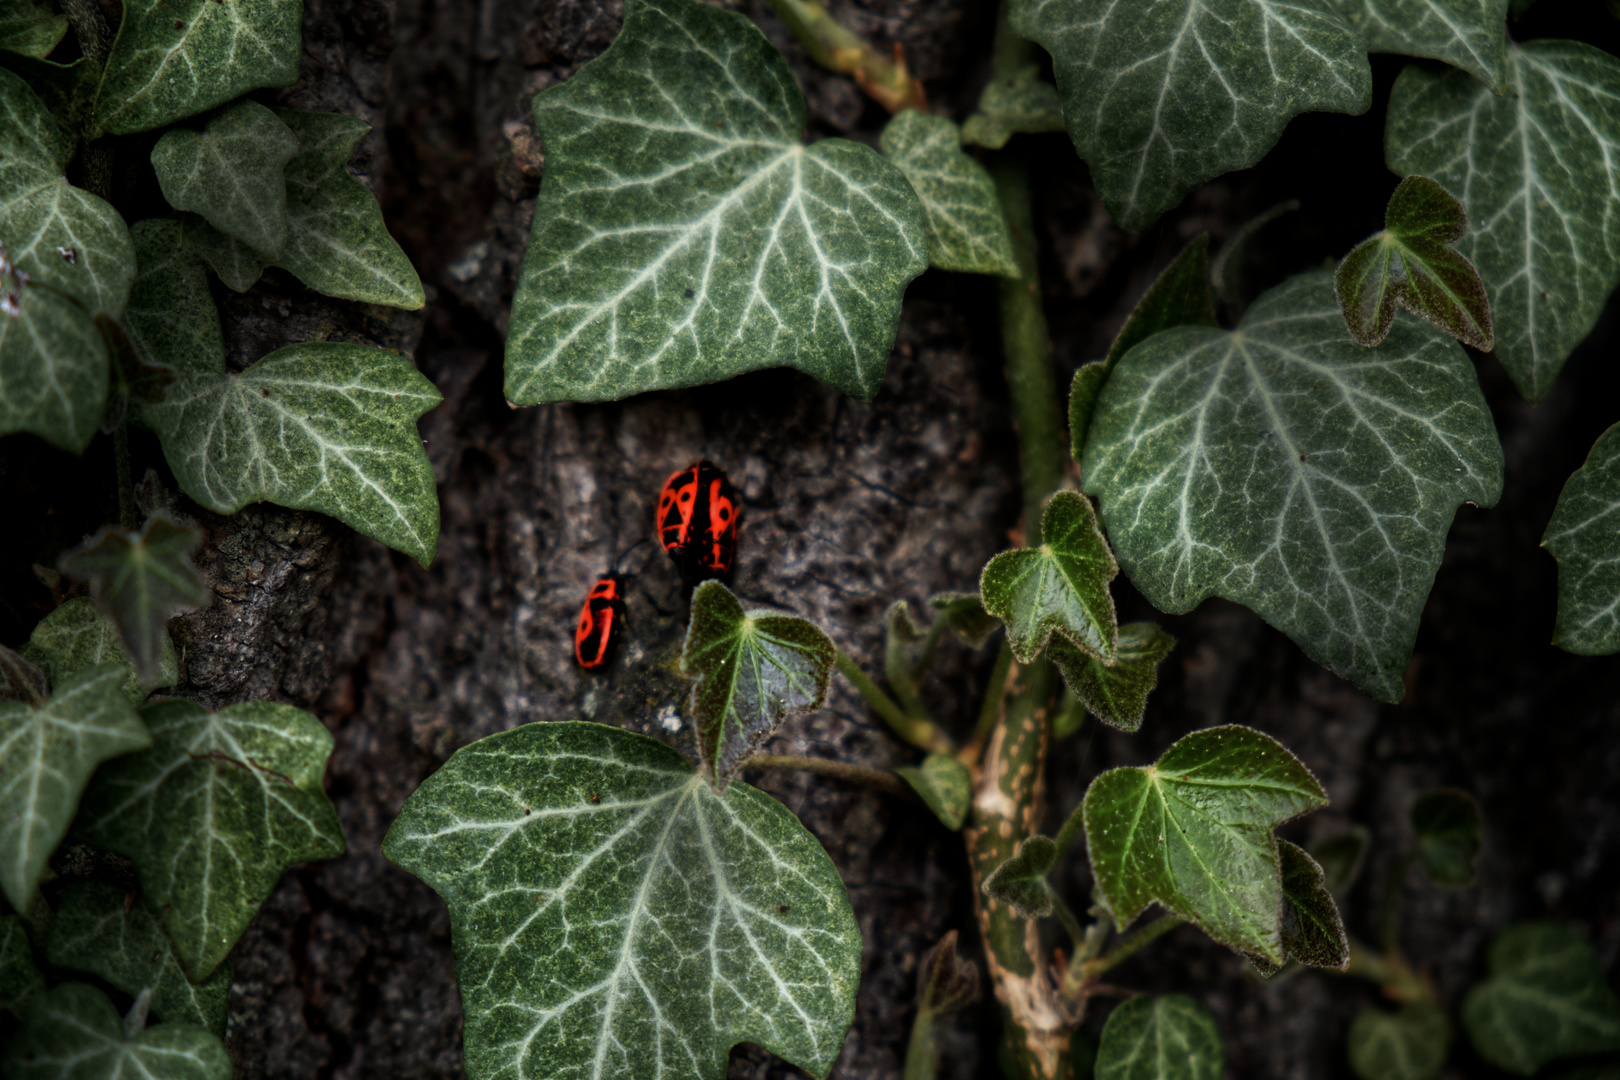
point(882, 781)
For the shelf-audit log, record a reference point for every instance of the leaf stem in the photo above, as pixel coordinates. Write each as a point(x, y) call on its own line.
point(921, 733)
point(1065, 915)
point(1391, 972)
point(1082, 974)
point(837, 48)
point(990, 710)
point(885, 782)
point(1071, 828)
point(898, 670)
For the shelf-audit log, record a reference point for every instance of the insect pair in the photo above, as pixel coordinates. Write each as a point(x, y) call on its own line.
point(696, 523)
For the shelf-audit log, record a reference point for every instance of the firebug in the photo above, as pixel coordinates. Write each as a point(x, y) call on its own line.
point(697, 521)
point(599, 620)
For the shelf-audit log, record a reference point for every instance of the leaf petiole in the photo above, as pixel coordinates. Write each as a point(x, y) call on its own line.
point(921, 733)
point(837, 48)
point(1082, 975)
point(989, 710)
point(877, 779)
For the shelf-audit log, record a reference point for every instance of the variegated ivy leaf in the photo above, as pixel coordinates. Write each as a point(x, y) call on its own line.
point(100, 929)
point(1058, 588)
point(685, 234)
point(231, 172)
point(754, 669)
point(1283, 466)
point(1468, 34)
point(21, 680)
point(966, 229)
point(1584, 536)
point(1115, 693)
point(1408, 1044)
point(76, 637)
point(613, 917)
point(20, 979)
point(1020, 103)
point(29, 29)
point(213, 813)
point(1160, 1037)
point(73, 1031)
point(944, 785)
point(47, 753)
point(175, 58)
point(1192, 832)
point(1546, 999)
point(1538, 171)
point(1160, 97)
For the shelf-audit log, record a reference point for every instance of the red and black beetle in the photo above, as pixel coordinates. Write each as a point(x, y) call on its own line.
point(697, 521)
point(599, 619)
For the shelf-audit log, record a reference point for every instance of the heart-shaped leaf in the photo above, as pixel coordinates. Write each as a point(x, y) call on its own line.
point(1115, 693)
point(685, 234)
point(965, 616)
point(1283, 466)
point(231, 172)
point(1528, 163)
point(966, 229)
point(944, 784)
point(1192, 832)
point(1467, 34)
point(73, 1031)
point(47, 753)
point(1584, 536)
point(21, 680)
point(175, 58)
point(1409, 1044)
point(1545, 999)
point(1447, 824)
point(1160, 1037)
point(1340, 856)
point(100, 929)
point(1019, 103)
point(1058, 588)
point(76, 637)
point(212, 814)
point(754, 669)
point(613, 916)
point(1312, 928)
point(30, 30)
point(20, 980)
point(1412, 263)
point(1160, 97)
point(1021, 880)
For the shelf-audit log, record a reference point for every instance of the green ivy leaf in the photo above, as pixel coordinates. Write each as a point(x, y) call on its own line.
point(1340, 856)
point(179, 57)
point(21, 680)
point(1448, 825)
point(142, 580)
point(29, 30)
point(1160, 97)
point(1584, 536)
point(1409, 1044)
point(20, 980)
point(213, 813)
point(1021, 880)
point(76, 637)
point(1411, 263)
point(1179, 296)
point(1020, 103)
point(47, 753)
point(685, 234)
point(1467, 34)
point(1192, 832)
point(1312, 928)
point(67, 90)
point(172, 319)
point(99, 930)
point(53, 366)
point(944, 785)
point(612, 916)
point(1160, 1037)
point(237, 264)
point(73, 1031)
point(1284, 467)
point(1545, 999)
point(1529, 162)
point(965, 616)
point(754, 669)
point(231, 172)
point(1059, 588)
point(1115, 693)
point(966, 229)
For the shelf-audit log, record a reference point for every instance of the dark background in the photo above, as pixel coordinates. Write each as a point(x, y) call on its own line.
point(347, 972)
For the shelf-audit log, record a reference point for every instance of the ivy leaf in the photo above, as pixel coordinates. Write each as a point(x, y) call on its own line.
point(1466, 34)
point(73, 1031)
point(77, 637)
point(101, 930)
point(753, 669)
point(237, 264)
point(47, 753)
point(1411, 263)
point(1340, 856)
point(21, 680)
point(1192, 832)
point(231, 172)
point(1058, 588)
point(1409, 1044)
point(1530, 163)
point(178, 58)
point(613, 916)
point(20, 980)
point(53, 366)
point(1293, 471)
point(1447, 824)
point(1584, 536)
point(1545, 999)
point(1020, 103)
point(212, 814)
point(945, 983)
point(1115, 693)
point(1160, 1037)
point(1160, 97)
point(1312, 928)
point(964, 614)
point(172, 319)
point(1021, 880)
point(944, 785)
point(685, 234)
point(68, 91)
point(29, 30)
point(966, 229)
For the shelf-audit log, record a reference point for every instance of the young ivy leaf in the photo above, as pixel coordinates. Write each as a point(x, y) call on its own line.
point(613, 916)
point(1409, 1044)
point(964, 614)
point(1058, 588)
point(21, 680)
point(1192, 832)
point(76, 637)
point(1020, 103)
point(1115, 693)
point(231, 172)
point(966, 229)
point(1312, 928)
point(1447, 824)
point(1584, 536)
point(1411, 263)
point(20, 980)
point(1528, 162)
point(754, 669)
point(1340, 856)
point(1545, 999)
point(47, 753)
point(74, 1031)
point(29, 30)
point(1160, 1037)
point(97, 929)
point(945, 983)
point(212, 814)
point(1021, 880)
point(944, 784)
point(1282, 466)
point(1466, 34)
point(238, 265)
point(1160, 97)
point(685, 234)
